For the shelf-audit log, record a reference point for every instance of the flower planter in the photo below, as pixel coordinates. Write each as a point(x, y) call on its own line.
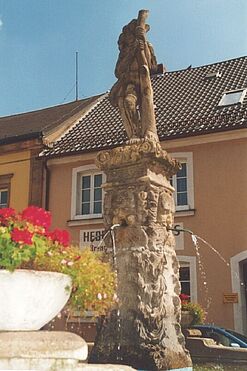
point(29, 299)
point(186, 318)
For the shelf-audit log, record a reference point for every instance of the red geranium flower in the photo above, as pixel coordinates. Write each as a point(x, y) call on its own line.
point(22, 236)
point(7, 212)
point(184, 298)
point(37, 216)
point(60, 236)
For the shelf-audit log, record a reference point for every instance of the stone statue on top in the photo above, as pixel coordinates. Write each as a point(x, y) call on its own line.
point(133, 93)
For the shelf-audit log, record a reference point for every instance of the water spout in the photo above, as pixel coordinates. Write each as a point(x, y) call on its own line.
point(177, 230)
point(114, 257)
point(201, 269)
point(114, 245)
point(195, 238)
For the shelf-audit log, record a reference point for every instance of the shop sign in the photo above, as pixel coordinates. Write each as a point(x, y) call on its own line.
point(92, 238)
point(230, 298)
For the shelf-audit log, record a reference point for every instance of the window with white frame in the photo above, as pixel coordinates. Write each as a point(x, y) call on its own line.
point(182, 181)
point(87, 193)
point(4, 196)
point(184, 277)
point(187, 276)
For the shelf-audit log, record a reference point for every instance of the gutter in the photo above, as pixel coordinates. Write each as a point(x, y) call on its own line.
point(21, 138)
point(47, 186)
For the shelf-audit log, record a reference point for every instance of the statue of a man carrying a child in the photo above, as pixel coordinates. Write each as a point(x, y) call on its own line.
point(132, 93)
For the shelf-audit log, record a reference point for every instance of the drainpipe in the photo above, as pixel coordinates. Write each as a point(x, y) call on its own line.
point(46, 186)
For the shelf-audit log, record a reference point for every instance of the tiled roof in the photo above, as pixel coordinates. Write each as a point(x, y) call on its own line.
point(37, 123)
point(186, 105)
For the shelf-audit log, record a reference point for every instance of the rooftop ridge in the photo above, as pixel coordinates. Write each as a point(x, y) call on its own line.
point(50, 107)
point(203, 66)
point(76, 108)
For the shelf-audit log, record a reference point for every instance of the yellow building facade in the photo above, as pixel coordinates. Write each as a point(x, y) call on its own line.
point(21, 175)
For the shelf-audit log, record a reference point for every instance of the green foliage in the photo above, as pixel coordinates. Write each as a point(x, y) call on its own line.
point(27, 243)
point(195, 310)
point(93, 280)
point(12, 257)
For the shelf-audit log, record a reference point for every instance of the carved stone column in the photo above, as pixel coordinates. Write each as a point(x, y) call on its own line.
point(144, 331)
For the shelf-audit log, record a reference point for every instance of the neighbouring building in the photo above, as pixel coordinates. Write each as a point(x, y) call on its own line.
point(23, 175)
point(202, 121)
point(201, 118)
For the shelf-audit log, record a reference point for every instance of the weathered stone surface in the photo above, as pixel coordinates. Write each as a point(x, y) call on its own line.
point(144, 331)
point(45, 350)
point(38, 364)
point(132, 93)
point(138, 190)
point(42, 345)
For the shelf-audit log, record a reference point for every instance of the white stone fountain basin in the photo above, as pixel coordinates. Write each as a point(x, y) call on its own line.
point(30, 299)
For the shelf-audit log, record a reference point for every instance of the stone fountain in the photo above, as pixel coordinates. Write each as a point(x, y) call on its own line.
point(144, 331)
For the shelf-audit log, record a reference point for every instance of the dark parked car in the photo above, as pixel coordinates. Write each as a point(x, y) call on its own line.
point(228, 338)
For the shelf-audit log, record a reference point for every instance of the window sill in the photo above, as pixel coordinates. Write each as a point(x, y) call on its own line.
point(182, 213)
point(89, 221)
point(92, 220)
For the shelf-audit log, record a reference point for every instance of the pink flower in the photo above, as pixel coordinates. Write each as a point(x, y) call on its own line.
point(37, 216)
point(22, 236)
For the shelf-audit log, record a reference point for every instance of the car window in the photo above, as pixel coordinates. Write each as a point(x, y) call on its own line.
point(224, 340)
point(217, 337)
point(240, 336)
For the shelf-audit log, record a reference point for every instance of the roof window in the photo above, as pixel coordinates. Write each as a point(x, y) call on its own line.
point(232, 97)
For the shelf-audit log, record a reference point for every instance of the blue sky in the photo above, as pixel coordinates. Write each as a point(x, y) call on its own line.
point(39, 39)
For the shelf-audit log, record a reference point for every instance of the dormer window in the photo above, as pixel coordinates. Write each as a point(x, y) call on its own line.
point(232, 97)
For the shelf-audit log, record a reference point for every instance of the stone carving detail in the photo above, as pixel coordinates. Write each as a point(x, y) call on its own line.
point(148, 334)
point(139, 197)
point(142, 210)
point(145, 150)
point(144, 331)
point(146, 205)
point(132, 93)
point(136, 207)
point(124, 213)
point(166, 209)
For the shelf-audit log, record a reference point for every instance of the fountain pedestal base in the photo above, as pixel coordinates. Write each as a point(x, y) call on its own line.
point(144, 331)
point(41, 350)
